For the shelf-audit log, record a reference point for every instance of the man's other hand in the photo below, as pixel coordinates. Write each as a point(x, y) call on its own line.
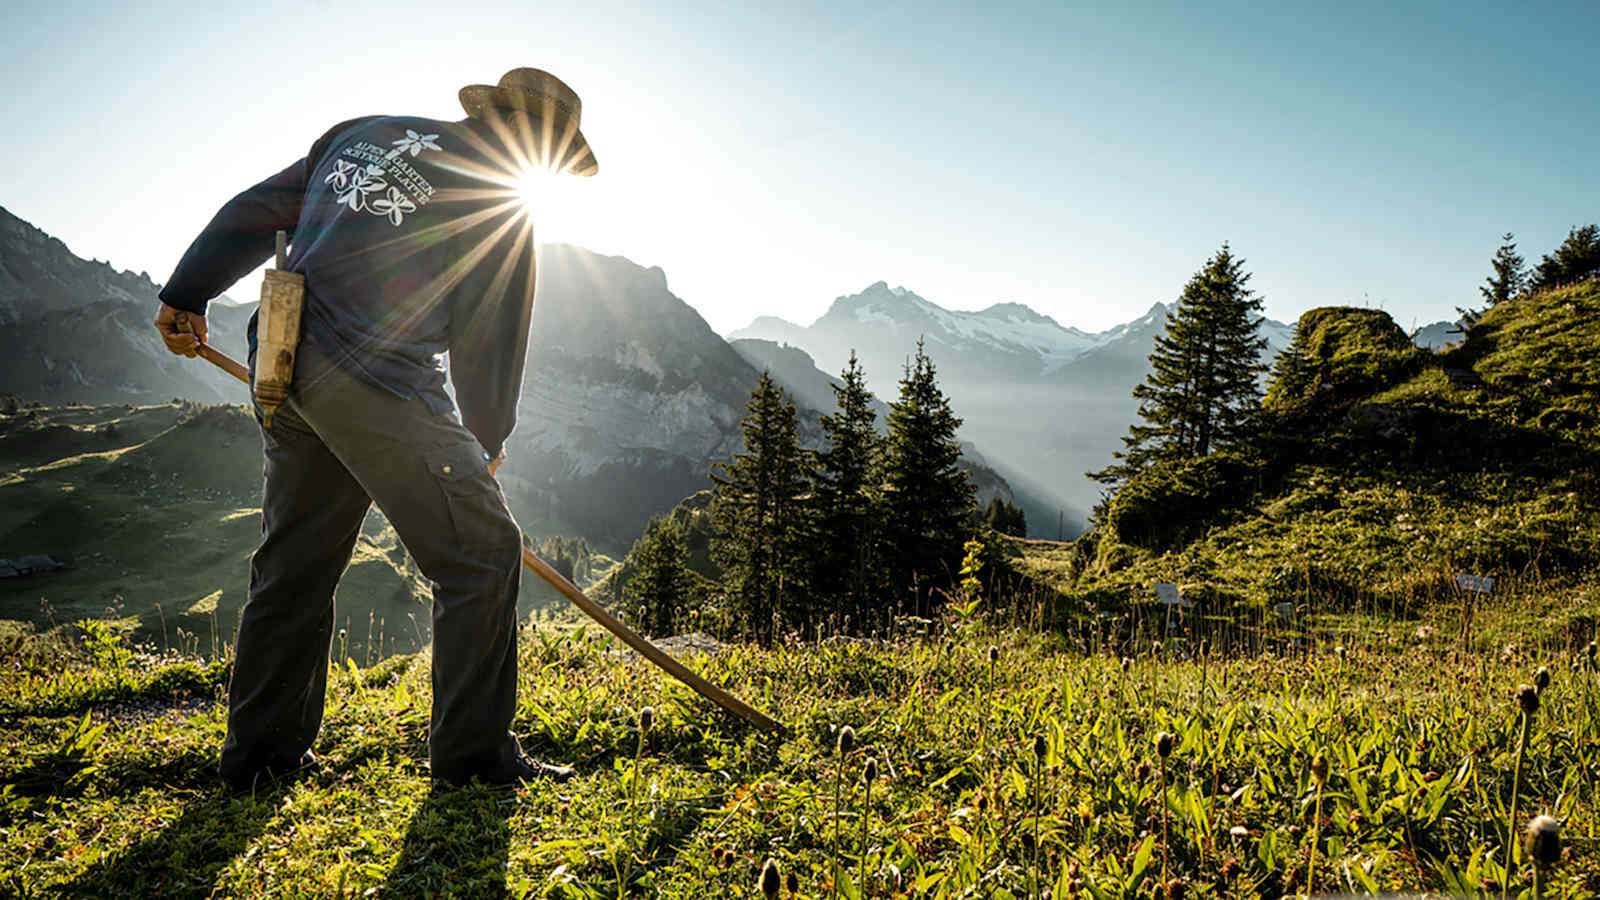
point(182, 331)
point(494, 464)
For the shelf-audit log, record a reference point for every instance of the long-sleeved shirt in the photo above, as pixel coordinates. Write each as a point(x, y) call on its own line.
point(413, 242)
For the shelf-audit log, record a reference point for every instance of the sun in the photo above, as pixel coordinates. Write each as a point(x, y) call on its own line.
point(552, 200)
point(534, 187)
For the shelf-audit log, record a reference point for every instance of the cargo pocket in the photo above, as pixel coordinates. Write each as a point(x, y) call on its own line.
point(477, 509)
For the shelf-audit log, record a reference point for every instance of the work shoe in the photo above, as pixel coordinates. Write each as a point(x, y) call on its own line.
point(522, 770)
point(268, 774)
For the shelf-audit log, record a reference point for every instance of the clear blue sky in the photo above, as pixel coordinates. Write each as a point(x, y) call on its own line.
point(771, 157)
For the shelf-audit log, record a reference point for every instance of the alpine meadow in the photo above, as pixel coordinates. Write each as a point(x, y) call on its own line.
point(1228, 528)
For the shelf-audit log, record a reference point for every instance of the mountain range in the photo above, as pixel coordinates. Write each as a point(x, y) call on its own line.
point(629, 395)
point(627, 399)
point(1046, 402)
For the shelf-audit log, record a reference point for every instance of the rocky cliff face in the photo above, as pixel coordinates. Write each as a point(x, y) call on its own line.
point(629, 396)
point(74, 330)
point(39, 275)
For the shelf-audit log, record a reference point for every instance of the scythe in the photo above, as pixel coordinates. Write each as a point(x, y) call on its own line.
point(569, 590)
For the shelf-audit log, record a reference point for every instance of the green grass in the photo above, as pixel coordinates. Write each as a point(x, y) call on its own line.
point(94, 802)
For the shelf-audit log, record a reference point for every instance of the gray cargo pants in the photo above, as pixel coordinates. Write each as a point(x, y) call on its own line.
point(338, 445)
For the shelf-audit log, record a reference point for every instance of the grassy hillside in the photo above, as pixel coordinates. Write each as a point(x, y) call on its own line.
point(1385, 471)
point(157, 508)
point(1000, 773)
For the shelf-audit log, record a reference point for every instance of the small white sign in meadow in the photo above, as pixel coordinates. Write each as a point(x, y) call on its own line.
point(1476, 584)
point(1285, 611)
point(1170, 595)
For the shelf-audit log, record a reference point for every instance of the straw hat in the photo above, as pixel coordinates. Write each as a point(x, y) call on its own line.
point(550, 103)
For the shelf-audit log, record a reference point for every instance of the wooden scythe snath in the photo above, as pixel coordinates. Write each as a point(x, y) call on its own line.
point(591, 609)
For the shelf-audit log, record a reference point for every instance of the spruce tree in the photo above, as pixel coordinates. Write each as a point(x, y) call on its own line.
point(1203, 389)
point(1005, 517)
point(843, 562)
point(658, 593)
point(1577, 259)
point(1510, 275)
point(929, 502)
point(758, 516)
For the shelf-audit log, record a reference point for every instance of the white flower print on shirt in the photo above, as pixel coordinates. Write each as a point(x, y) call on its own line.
point(339, 178)
point(396, 189)
point(415, 143)
point(362, 183)
point(395, 205)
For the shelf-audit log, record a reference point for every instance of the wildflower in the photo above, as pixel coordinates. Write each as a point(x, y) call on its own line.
point(791, 883)
point(1040, 747)
point(1165, 741)
point(1319, 769)
point(1541, 679)
point(1239, 832)
point(847, 741)
point(870, 773)
point(646, 717)
point(994, 654)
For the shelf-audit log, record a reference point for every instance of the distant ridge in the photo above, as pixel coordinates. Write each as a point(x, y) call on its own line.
point(1046, 402)
point(627, 398)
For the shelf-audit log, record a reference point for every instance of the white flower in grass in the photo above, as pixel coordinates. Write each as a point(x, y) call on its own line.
point(395, 205)
point(416, 143)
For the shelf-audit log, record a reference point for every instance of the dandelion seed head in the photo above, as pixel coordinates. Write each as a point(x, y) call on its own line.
point(1543, 841)
point(1528, 699)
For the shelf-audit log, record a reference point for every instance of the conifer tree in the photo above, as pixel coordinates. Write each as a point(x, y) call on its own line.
point(1006, 518)
point(758, 517)
point(1577, 258)
point(1510, 274)
point(658, 593)
point(843, 561)
point(1202, 392)
point(929, 502)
